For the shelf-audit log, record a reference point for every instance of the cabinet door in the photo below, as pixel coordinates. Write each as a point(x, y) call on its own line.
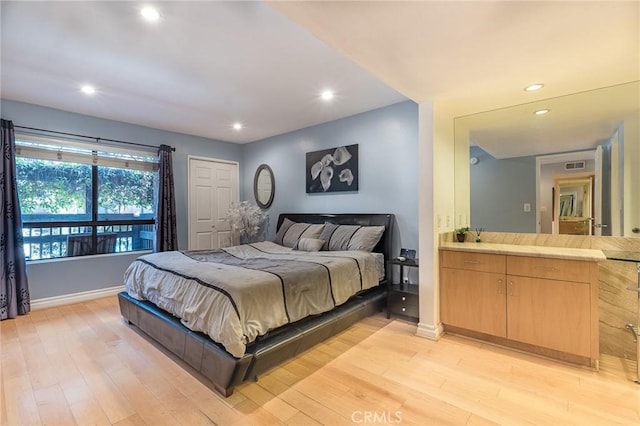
point(473, 300)
point(549, 313)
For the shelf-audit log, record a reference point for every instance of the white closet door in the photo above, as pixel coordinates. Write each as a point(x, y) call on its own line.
point(213, 186)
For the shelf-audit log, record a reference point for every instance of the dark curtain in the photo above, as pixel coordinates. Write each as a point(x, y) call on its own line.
point(14, 287)
point(166, 236)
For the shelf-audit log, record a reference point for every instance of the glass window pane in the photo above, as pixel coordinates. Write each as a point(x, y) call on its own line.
point(52, 242)
point(53, 190)
point(125, 194)
point(80, 242)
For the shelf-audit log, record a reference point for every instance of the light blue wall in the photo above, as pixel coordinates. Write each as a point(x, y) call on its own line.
point(499, 189)
point(75, 275)
point(388, 155)
point(388, 167)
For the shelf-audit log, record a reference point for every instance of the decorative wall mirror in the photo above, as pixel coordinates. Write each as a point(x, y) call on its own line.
point(264, 186)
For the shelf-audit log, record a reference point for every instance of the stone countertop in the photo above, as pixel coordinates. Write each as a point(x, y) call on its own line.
point(532, 251)
point(624, 256)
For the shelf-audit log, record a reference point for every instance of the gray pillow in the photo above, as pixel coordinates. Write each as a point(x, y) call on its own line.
point(350, 237)
point(286, 224)
point(300, 230)
point(310, 244)
point(290, 232)
point(366, 238)
point(327, 232)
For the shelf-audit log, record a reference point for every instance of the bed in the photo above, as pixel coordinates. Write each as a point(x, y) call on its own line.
point(261, 335)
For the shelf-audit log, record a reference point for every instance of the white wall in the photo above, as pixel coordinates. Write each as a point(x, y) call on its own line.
point(631, 177)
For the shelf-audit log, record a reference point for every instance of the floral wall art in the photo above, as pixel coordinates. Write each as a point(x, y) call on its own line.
point(332, 170)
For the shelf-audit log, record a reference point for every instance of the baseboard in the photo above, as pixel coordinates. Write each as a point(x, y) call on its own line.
point(66, 299)
point(429, 331)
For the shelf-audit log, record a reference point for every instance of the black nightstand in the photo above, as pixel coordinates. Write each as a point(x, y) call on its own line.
point(402, 298)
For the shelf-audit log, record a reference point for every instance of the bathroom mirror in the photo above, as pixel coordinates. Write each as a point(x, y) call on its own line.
point(264, 186)
point(520, 154)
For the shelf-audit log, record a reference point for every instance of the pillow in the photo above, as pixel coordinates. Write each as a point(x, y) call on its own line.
point(366, 238)
point(286, 224)
point(290, 232)
point(327, 233)
point(310, 244)
point(351, 237)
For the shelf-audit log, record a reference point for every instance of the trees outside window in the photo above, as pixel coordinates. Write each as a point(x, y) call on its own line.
point(73, 208)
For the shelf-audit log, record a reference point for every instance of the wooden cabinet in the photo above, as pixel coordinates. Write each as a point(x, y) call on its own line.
point(474, 300)
point(547, 313)
point(541, 304)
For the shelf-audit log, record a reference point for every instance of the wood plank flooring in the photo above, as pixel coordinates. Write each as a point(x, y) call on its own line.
point(80, 364)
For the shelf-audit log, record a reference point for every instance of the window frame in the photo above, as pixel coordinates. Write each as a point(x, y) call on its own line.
point(94, 223)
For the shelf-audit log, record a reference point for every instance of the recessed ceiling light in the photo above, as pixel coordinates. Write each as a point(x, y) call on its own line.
point(149, 13)
point(88, 89)
point(327, 95)
point(534, 87)
point(542, 111)
point(237, 126)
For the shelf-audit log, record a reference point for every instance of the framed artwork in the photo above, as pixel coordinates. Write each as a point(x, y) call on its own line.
point(332, 170)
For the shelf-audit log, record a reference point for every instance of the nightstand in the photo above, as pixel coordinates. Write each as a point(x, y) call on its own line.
point(402, 298)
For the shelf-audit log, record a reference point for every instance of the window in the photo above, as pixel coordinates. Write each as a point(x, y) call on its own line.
point(78, 199)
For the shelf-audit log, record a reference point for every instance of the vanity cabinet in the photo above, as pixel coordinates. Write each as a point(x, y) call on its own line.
point(544, 305)
point(474, 301)
point(472, 291)
point(547, 313)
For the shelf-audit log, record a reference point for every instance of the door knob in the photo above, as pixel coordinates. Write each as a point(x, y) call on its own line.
point(636, 230)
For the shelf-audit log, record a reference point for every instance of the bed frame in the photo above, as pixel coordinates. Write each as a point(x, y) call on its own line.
point(225, 371)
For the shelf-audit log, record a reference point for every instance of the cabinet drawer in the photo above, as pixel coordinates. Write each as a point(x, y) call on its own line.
point(472, 261)
point(552, 269)
point(404, 304)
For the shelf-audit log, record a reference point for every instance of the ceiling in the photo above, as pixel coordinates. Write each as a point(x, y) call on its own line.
point(206, 65)
point(580, 121)
point(470, 57)
point(201, 68)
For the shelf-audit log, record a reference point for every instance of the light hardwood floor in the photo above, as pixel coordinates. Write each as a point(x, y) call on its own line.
point(80, 364)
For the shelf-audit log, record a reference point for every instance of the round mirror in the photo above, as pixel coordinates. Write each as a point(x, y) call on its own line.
point(264, 186)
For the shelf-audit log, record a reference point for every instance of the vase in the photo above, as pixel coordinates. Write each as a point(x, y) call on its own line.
point(460, 237)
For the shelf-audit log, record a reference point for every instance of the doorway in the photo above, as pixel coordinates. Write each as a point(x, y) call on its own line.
point(573, 206)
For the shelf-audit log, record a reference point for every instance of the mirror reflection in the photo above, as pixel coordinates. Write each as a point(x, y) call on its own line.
point(264, 186)
point(572, 170)
point(573, 206)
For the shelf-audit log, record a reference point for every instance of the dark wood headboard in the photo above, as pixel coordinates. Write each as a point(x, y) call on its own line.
point(384, 246)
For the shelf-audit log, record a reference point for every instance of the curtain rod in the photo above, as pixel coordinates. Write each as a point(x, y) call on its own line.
point(90, 137)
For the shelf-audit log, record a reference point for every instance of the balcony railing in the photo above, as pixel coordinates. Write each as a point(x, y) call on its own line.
point(46, 242)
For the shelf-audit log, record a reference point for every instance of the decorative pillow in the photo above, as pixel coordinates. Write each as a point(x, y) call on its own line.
point(327, 232)
point(351, 237)
point(286, 224)
point(310, 244)
point(366, 238)
point(290, 232)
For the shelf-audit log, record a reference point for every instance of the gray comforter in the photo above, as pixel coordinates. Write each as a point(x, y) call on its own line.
point(239, 293)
